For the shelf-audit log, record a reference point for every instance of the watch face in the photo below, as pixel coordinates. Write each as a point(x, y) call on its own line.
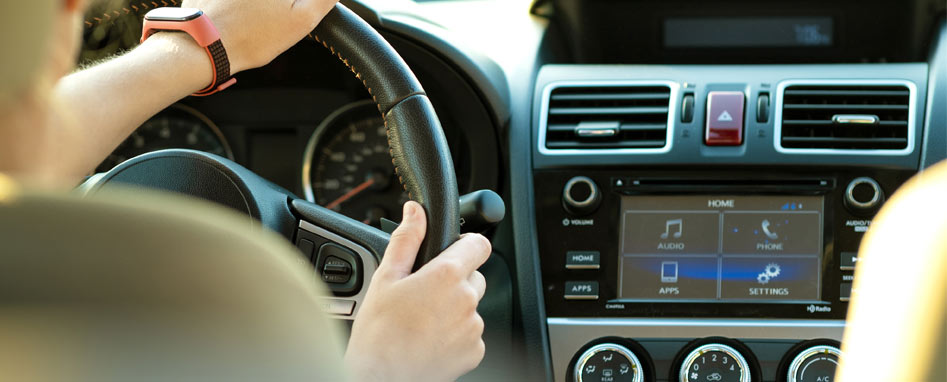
point(173, 14)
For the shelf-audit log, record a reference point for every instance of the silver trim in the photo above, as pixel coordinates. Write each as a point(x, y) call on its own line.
point(566, 335)
point(850, 193)
point(369, 263)
point(593, 192)
point(700, 350)
point(597, 129)
point(858, 119)
point(815, 350)
point(544, 111)
point(630, 355)
point(778, 123)
point(314, 140)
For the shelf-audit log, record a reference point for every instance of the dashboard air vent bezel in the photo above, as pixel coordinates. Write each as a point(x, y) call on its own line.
point(673, 102)
point(911, 120)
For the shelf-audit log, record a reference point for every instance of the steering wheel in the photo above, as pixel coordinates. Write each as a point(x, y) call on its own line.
point(417, 145)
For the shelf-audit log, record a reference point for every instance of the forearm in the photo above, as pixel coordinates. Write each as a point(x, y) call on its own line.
point(102, 105)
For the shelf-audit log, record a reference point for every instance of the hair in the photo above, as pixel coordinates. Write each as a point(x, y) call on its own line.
point(26, 31)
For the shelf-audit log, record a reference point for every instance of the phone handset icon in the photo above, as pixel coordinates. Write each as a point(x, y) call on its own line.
point(767, 232)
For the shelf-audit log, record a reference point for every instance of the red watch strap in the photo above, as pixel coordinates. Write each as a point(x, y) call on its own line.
point(221, 66)
point(202, 30)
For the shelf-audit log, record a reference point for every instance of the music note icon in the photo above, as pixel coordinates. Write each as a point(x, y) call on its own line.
point(679, 223)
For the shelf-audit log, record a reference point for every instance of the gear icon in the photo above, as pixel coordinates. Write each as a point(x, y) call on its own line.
point(763, 278)
point(772, 270)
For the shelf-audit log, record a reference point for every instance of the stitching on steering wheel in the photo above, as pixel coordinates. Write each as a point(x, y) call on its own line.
point(384, 119)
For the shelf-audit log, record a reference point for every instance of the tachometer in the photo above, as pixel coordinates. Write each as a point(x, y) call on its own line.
point(347, 167)
point(178, 127)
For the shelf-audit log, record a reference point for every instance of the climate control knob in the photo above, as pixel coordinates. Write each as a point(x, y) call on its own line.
point(581, 196)
point(608, 362)
point(863, 195)
point(814, 363)
point(715, 361)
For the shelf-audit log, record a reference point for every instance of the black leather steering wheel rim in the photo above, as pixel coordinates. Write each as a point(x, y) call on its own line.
point(416, 141)
point(417, 144)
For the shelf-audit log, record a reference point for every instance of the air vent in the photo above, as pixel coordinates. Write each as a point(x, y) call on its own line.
point(607, 117)
point(846, 117)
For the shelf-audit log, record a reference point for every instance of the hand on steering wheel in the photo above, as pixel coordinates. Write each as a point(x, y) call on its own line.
point(422, 325)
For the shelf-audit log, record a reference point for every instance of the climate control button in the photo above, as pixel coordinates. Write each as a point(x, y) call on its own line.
point(581, 195)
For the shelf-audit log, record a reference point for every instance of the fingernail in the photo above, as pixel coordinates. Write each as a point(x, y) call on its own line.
point(409, 209)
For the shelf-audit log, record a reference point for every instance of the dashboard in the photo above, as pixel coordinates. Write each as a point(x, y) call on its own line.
point(687, 182)
point(304, 123)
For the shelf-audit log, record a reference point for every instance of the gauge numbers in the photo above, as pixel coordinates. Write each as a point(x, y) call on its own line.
point(347, 166)
point(178, 127)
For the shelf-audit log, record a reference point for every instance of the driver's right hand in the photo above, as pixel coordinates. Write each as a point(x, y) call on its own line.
point(422, 325)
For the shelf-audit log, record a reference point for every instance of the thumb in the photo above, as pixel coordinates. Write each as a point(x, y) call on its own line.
point(405, 242)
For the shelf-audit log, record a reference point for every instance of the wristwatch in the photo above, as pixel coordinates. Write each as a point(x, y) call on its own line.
point(196, 24)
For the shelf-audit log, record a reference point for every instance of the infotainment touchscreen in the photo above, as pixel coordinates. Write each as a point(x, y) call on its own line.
point(721, 248)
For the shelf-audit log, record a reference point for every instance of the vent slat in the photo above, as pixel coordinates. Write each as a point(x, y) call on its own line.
point(640, 113)
point(607, 110)
point(605, 145)
point(609, 97)
point(810, 113)
point(857, 93)
point(846, 107)
point(829, 123)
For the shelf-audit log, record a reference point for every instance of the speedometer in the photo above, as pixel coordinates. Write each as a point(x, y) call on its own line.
point(347, 167)
point(177, 127)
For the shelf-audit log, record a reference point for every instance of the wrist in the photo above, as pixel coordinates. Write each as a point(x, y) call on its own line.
point(195, 68)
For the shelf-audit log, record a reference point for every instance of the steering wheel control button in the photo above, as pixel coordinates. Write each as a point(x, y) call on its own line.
point(336, 270)
point(307, 247)
point(339, 269)
point(581, 290)
point(338, 306)
point(583, 259)
point(814, 364)
point(863, 195)
point(714, 362)
point(724, 118)
point(581, 196)
point(848, 260)
point(608, 362)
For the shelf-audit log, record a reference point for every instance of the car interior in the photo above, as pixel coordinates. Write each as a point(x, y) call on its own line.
point(675, 190)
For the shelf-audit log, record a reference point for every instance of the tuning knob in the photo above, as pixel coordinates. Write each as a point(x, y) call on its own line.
point(581, 196)
point(863, 195)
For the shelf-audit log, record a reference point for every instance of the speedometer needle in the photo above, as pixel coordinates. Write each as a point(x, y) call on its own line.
point(349, 195)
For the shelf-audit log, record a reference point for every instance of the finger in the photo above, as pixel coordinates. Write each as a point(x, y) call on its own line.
point(479, 284)
point(405, 242)
point(470, 252)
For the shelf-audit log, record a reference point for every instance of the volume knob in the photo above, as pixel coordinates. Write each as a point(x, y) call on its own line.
point(581, 196)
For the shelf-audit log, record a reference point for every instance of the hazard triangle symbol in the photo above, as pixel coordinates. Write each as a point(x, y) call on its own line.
point(725, 117)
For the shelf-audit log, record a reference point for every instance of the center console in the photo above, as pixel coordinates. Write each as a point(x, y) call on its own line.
point(708, 230)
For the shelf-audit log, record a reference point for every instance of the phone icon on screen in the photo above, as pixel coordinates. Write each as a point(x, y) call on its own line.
point(668, 271)
point(767, 232)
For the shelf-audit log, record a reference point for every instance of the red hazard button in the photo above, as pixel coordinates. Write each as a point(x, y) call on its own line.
point(724, 119)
